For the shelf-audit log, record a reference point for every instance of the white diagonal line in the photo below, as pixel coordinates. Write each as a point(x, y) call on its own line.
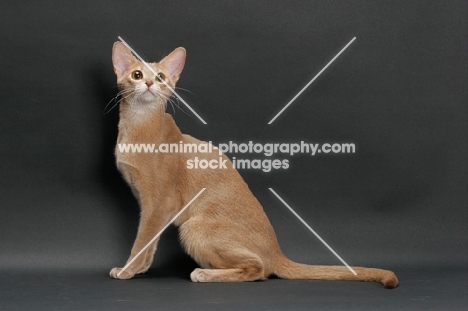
point(155, 73)
point(160, 232)
point(312, 230)
point(313, 79)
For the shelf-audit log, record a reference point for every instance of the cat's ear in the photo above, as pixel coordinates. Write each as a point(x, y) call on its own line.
point(174, 63)
point(122, 58)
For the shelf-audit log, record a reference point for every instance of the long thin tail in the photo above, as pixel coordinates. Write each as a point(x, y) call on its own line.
point(288, 269)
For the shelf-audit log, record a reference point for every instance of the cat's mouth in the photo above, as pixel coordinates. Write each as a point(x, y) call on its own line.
point(148, 95)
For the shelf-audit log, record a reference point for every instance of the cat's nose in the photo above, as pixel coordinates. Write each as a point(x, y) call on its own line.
point(149, 83)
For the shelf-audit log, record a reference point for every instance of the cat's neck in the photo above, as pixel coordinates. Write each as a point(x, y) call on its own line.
point(146, 124)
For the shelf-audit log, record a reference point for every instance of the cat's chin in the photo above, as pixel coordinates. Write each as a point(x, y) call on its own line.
point(148, 96)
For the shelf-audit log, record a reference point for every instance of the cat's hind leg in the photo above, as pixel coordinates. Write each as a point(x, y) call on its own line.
point(215, 246)
point(233, 265)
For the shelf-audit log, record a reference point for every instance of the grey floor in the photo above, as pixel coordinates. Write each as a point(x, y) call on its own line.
point(429, 288)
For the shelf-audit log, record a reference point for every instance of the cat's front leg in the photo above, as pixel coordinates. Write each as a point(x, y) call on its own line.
point(151, 223)
point(148, 256)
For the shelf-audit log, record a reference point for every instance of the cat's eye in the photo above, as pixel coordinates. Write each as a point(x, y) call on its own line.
point(137, 75)
point(160, 77)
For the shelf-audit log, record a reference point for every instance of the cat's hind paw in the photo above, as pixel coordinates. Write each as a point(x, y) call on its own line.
point(198, 275)
point(117, 273)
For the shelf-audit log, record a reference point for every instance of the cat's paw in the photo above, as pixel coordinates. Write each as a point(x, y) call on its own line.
point(124, 275)
point(198, 275)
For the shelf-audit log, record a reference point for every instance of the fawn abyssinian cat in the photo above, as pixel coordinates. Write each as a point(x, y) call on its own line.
point(225, 229)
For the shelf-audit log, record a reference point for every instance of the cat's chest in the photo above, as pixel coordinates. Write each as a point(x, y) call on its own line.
point(136, 148)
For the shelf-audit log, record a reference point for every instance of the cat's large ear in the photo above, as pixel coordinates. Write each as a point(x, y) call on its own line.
point(122, 58)
point(174, 63)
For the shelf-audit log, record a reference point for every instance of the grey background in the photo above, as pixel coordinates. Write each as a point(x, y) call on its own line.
point(398, 92)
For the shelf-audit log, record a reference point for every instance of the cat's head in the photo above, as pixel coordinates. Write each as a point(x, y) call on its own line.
point(138, 83)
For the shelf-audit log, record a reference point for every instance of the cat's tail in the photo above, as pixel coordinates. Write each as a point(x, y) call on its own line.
point(288, 269)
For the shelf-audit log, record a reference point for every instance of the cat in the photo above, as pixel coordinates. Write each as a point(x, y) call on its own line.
point(225, 230)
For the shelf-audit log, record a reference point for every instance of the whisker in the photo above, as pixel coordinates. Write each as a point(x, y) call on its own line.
point(176, 102)
point(104, 110)
point(123, 94)
point(167, 99)
point(132, 96)
point(172, 104)
point(116, 103)
point(185, 90)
